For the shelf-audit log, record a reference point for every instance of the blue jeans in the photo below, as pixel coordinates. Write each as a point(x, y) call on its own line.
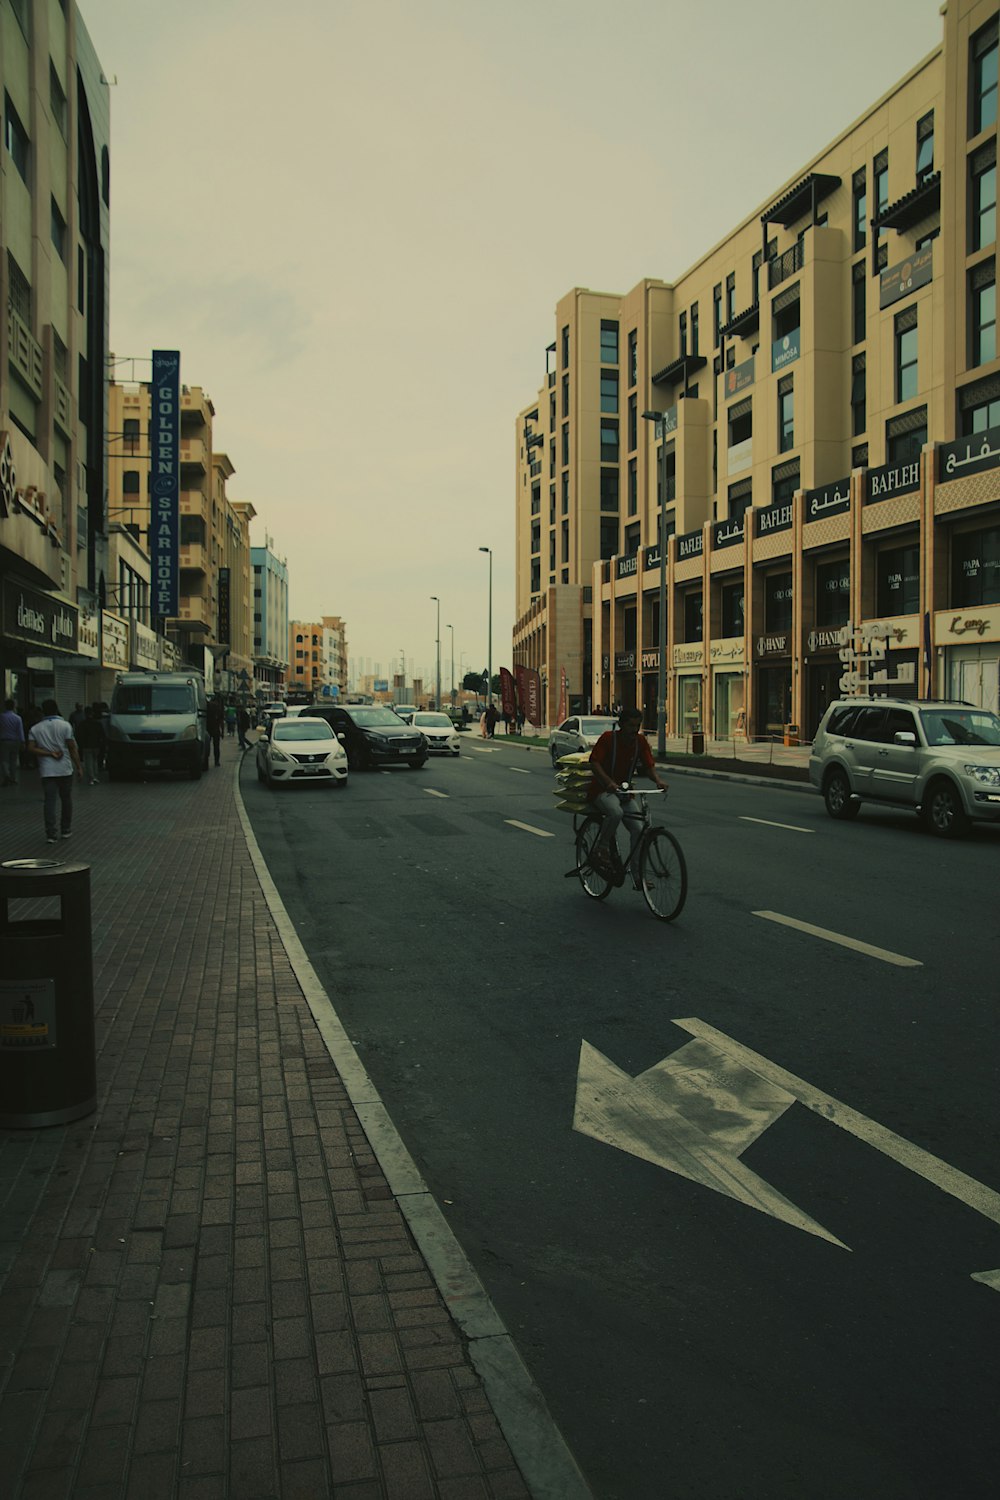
point(9, 760)
point(56, 790)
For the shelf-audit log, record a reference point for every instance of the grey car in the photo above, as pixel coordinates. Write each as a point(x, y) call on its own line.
point(578, 733)
point(938, 759)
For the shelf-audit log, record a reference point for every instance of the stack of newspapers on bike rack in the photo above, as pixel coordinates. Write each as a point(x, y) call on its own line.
point(573, 776)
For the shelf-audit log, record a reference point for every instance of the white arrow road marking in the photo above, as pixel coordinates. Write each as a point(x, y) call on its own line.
point(950, 1180)
point(695, 1113)
point(541, 833)
point(768, 823)
point(432, 793)
point(887, 957)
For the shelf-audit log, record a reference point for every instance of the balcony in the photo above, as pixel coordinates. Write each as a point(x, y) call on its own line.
point(786, 265)
point(680, 370)
point(196, 503)
point(63, 409)
point(196, 409)
point(744, 323)
point(25, 352)
point(918, 204)
point(193, 455)
point(195, 612)
point(193, 558)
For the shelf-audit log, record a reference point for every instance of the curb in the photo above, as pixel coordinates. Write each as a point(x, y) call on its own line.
point(539, 1449)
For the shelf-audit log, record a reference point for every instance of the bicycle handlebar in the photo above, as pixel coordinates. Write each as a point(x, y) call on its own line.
point(629, 791)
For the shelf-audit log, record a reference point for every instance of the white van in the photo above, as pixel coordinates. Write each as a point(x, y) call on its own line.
point(157, 723)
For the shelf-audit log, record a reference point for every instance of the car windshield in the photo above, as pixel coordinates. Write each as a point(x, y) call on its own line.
point(961, 726)
point(375, 718)
point(596, 726)
point(301, 729)
point(432, 721)
point(153, 698)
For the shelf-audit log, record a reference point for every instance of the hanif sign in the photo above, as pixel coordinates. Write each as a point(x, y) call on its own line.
point(164, 440)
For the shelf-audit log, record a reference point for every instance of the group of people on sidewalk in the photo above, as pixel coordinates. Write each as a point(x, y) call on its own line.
point(490, 718)
point(52, 743)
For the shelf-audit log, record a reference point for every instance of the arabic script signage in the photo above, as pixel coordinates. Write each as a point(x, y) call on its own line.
point(164, 484)
point(729, 650)
point(831, 500)
point(969, 455)
point(40, 619)
point(114, 641)
point(892, 479)
point(897, 281)
point(965, 627)
point(624, 661)
point(727, 533)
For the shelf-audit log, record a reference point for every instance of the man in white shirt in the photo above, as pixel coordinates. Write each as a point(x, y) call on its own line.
point(51, 742)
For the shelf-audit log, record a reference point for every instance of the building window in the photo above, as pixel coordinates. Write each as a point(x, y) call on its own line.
point(16, 140)
point(859, 191)
point(693, 625)
point(633, 357)
point(19, 289)
point(880, 177)
point(859, 456)
point(694, 328)
point(633, 488)
point(732, 609)
point(565, 395)
point(57, 102)
point(730, 296)
point(778, 603)
point(22, 10)
point(983, 79)
point(975, 568)
point(552, 552)
point(897, 581)
point(983, 197)
point(833, 593)
point(130, 484)
point(564, 492)
point(979, 406)
point(740, 423)
point(682, 333)
point(631, 545)
point(716, 316)
point(130, 434)
point(784, 482)
point(633, 424)
point(609, 442)
point(983, 314)
point(609, 489)
point(786, 416)
point(925, 147)
point(859, 395)
point(57, 230)
point(905, 436)
point(858, 310)
point(565, 348)
point(906, 355)
point(609, 342)
point(609, 537)
point(565, 444)
point(609, 390)
point(670, 464)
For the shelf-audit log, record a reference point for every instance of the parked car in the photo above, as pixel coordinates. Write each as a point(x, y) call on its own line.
point(576, 734)
point(297, 748)
point(939, 759)
point(374, 736)
point(439, 732)
point(405, 711)
point(297, 710)
point(269, 711)
point(157, 722)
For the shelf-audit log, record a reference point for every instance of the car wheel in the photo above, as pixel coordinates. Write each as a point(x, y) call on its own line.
point(837, 796)
point(943, 813)
point(416, 764)
point(554, 754)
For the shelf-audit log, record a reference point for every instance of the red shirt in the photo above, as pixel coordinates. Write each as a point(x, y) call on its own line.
point(627, 760)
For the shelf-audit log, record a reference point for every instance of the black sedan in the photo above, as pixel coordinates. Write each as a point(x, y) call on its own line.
point(374, 736)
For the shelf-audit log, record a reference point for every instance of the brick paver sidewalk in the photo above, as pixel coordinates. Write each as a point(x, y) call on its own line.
point(206, 1288)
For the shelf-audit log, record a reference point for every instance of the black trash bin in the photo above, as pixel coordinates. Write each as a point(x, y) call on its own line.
point(48, 1073)
point(698, 742)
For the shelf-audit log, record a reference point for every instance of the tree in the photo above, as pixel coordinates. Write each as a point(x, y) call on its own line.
point(472, 682)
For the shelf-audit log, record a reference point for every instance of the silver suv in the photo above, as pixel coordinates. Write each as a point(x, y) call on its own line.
point(940, 759)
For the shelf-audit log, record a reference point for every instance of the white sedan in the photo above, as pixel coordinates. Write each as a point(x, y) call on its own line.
point(577, 734)
point(439, 732)
point(301, 749)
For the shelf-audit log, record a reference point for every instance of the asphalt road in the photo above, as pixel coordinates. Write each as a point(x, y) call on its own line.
point(754, 1276)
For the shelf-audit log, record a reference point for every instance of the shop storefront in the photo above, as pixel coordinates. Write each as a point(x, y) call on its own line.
point(114, 651)
point(40, 639)
point(773, 685)
point(689, 663)
point(727, 662)
point(650, 689)
point(823, 670)
point(625, 678)
point(969, 643)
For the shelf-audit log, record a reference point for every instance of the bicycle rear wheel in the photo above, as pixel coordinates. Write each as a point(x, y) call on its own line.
point(664, 874)
point(596, 885)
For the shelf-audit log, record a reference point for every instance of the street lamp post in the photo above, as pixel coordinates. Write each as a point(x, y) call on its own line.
point(489, 633)
point(452, 694)
point(660, 430)
point(437, 643)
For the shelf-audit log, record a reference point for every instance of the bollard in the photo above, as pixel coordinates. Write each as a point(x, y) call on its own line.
point(48, 1072)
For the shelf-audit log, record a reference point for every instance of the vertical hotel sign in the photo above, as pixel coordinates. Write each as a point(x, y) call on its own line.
point(165, 424)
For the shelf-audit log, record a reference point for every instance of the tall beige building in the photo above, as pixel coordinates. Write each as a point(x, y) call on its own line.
point(317, 652)
point(819, 377)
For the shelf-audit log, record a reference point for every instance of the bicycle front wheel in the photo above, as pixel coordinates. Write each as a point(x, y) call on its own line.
point(596, 885)
point(664, 874)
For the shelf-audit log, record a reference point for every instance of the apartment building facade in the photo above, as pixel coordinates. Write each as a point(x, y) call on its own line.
point(55, 176)
point(317, 654)
point(270, 621)
point(820, 453)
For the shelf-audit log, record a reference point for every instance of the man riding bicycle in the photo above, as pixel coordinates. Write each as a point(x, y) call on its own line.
point(619, 756)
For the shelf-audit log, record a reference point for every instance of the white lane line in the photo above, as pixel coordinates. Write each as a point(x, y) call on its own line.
point(482, 749)
point(540, 833)
point(887, 957)
point(950, 1180)
point(519, 770)
point(432, 793)
point(792, 828)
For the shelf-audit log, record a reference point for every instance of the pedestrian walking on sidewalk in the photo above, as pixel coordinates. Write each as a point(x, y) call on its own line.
point(231, 720)
point(52, 744)
point(243, 725)
point(91, 741)
point(215, 720)
point(11, 743)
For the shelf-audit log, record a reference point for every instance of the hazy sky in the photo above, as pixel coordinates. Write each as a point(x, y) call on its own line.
point(354, 219)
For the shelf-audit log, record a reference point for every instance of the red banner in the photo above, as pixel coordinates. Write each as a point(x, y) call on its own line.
point(529, 693)
point(563, 695)
point(507, 695)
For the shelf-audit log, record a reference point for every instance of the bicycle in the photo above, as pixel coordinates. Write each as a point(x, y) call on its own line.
point(661, 864)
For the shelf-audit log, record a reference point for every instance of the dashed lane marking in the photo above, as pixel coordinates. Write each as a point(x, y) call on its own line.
point(792, 827)
point(540, 833)
point(884, 954)
point(432, 793)
point(519, 770)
